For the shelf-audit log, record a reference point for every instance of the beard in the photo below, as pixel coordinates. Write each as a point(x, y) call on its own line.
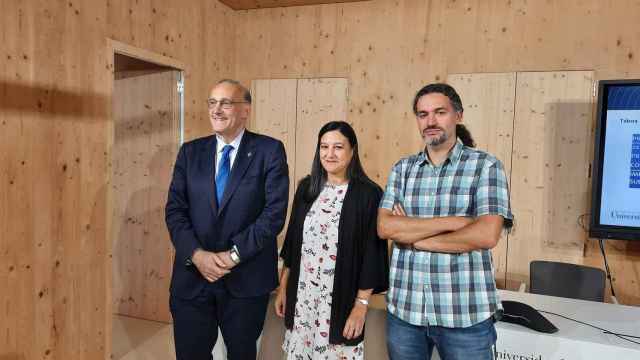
point(431, 141)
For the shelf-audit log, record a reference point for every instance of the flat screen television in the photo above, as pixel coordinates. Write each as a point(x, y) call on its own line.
point(615, 205)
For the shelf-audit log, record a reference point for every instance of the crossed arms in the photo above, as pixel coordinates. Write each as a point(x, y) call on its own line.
point(451, 234)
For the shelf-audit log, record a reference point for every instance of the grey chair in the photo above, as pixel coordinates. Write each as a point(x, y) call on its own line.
point(566, 280)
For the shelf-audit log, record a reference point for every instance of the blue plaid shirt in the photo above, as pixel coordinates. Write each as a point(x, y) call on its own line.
point(451, 290)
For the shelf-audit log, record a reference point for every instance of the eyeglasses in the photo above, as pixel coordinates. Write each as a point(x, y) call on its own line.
point(225, 104)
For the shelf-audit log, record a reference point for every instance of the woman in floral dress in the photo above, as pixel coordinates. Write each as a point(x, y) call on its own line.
point(333, 258)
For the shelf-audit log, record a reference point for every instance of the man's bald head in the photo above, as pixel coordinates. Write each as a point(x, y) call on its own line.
point(229, 108)
point(246, 94)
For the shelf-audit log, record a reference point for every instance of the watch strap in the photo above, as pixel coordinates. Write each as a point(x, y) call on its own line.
point(233, 253)
point(362, 301)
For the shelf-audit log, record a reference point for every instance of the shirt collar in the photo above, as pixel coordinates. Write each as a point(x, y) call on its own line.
point(235, 143)
point(454, 155)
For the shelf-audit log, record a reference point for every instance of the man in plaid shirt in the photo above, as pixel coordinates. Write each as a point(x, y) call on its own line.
point(444, 208)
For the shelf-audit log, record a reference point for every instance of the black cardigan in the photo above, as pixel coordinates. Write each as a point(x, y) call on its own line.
point(362, 259)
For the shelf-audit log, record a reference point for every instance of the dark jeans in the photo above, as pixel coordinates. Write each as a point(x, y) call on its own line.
point(408, 342)
point(196, 322)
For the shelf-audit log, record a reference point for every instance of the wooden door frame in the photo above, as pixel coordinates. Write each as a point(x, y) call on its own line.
point(116, 47)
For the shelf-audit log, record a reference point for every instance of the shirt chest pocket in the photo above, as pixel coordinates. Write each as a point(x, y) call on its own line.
point(461, 201)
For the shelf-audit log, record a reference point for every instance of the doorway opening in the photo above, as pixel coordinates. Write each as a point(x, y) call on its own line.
point(147, 113)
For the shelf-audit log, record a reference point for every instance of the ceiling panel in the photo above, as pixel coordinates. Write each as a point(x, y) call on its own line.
point(261, 4)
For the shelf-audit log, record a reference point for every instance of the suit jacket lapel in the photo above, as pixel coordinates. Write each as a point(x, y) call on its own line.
point(209, 159)
point(244, 157)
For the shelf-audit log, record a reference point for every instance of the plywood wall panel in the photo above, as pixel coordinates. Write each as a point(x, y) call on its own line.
point(388, 49)
point(349, 46)
point(489, 101)
point(261, 4)
point(50, 213)
point(318, 102)
point(376, 96)
point(77, 147)
point(292, 109)
point(54, 81)
point(199, 33)
point(145, 146)
point(55, 76)
point(274, 111)
point(550, 171)
point(624, 261)
point(274, 114)
point(164, 141)
point(16, 257)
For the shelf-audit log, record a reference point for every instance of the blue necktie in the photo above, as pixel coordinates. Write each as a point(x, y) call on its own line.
point(223, 172)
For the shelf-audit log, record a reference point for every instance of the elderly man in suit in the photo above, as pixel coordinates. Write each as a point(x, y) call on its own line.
point(226, 204)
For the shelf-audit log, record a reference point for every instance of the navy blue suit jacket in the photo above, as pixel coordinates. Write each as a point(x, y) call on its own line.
point(250, 214)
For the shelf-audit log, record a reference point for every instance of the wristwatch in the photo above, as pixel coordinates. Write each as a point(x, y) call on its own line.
point(189, 261)
point(233, 253)
point(364, 302)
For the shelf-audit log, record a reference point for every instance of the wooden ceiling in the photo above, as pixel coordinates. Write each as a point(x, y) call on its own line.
point(261, 4)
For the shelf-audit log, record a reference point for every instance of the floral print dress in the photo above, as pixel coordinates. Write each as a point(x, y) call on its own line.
point(309, 337)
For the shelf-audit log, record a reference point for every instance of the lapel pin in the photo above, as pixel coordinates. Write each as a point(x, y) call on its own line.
point(248, 154)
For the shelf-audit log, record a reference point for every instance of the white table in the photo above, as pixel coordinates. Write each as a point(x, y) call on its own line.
point(573, 341)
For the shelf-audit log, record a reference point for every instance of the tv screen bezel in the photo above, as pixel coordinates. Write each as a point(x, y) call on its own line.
point(597, 229)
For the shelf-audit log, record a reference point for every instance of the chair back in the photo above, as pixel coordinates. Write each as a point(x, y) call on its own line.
point(566, 280)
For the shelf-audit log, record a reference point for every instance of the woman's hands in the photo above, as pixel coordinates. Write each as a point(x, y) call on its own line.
point(355, 322)
point(281, 297)
point(281, 301)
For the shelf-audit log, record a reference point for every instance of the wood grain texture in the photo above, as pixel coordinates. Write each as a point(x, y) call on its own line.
point(318, 102)
point(294, 110)
point(389, 49)
point(55, 117)
point(274, 114)
point(261, 4)
point(145, 145)
point(551, 154)
point(489, 101)
point(55, 133)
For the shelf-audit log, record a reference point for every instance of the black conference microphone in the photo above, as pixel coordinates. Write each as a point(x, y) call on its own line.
point(522, 314)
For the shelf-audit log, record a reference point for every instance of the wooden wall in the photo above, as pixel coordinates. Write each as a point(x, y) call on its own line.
point(489, 102)
point(294, 111)
point(55, 127)
point(261, 4)
point(538, 124)
point(146, 118)
point(55, 116)
point(388, 49)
